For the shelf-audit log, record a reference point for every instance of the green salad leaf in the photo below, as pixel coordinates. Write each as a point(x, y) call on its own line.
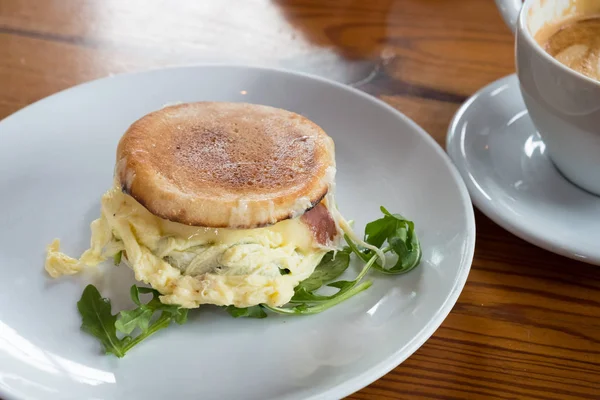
point(117, 257)
point(98, 320)
point(308, 309)
point(399, 233)
point(248, 312)
point(331, 266)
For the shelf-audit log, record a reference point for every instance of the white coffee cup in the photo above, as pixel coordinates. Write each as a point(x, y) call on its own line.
point(563, 104)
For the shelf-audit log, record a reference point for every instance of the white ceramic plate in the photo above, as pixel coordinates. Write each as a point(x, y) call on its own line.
point(511, 179)
point(56, 160)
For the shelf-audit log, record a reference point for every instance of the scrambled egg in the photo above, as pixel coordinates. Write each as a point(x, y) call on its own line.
point(193, 265)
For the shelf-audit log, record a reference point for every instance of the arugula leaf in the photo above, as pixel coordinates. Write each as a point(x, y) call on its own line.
point(363, 255)
point(98, 320)
point(134, 293)
point(321, 303)
point(117, 257)
point(146, 311)
point(306, 309)
point(129, 320)
point(331, 266)
point(249, 312)
point(377, 232)
point(302, 295)
point(406, 245)
point(342, 284)
point(401, 238)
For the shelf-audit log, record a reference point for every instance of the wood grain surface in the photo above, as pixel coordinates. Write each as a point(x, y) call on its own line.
point(527, 323)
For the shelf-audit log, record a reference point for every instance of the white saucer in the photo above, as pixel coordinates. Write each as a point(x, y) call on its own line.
point(511, 179)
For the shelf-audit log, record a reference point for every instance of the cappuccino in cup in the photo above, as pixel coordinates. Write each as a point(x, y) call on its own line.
point(575, 43)
point(558, 66)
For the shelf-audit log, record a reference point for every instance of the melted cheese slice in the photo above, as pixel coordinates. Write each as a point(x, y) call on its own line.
point(191, 265)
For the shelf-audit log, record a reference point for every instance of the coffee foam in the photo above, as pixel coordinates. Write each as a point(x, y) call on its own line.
point(575, 43)
point(547, 13)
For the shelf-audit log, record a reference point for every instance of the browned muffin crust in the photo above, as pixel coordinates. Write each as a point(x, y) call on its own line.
point(234, 165)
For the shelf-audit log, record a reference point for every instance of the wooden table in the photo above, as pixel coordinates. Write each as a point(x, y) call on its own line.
point(527, 323)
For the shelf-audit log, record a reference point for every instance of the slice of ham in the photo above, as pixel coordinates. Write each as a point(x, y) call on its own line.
point(321, 224)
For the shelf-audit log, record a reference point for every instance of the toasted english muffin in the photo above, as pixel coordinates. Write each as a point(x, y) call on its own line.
point(225, 165)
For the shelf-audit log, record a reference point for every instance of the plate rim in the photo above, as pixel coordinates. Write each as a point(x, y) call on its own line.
point(493, 212)
point(396, 358)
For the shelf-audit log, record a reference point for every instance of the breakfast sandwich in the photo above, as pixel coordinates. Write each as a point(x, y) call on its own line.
point(217, 203)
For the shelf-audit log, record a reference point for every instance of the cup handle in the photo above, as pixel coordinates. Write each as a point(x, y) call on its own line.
point(510, 10)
